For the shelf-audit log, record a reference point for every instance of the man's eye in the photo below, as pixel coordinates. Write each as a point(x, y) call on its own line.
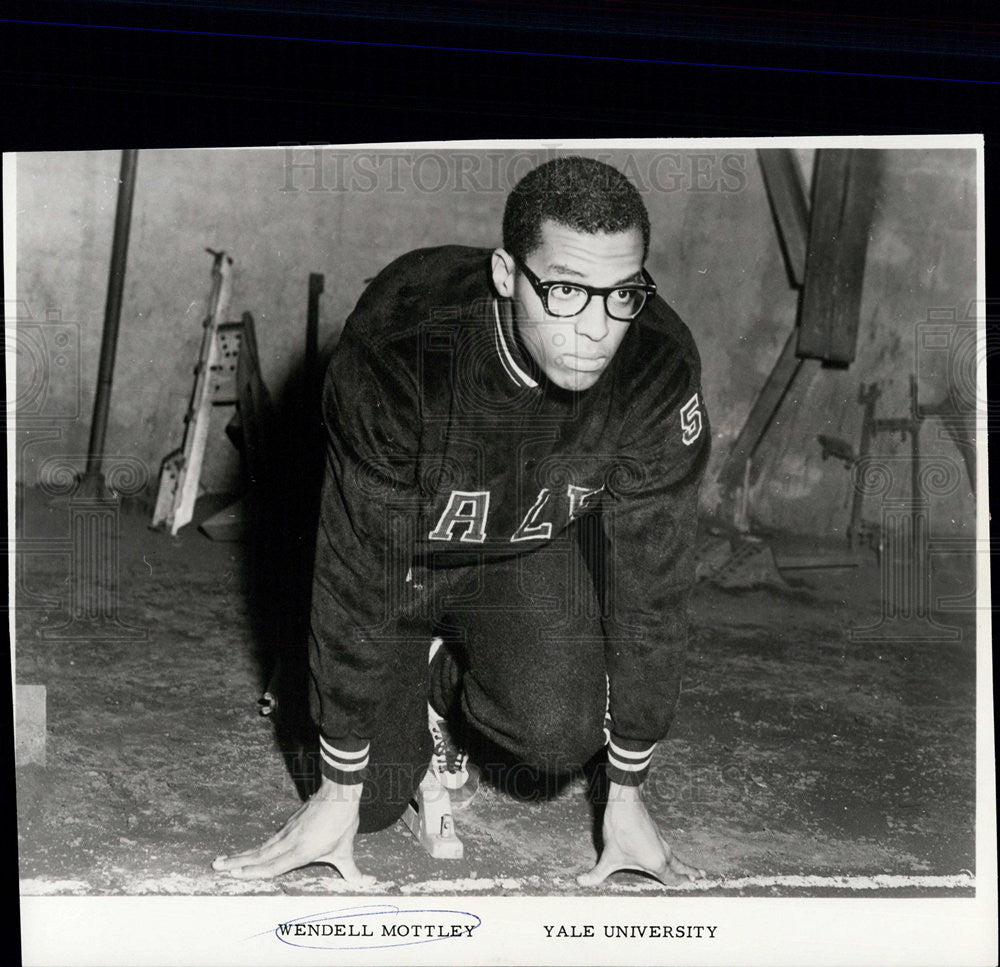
point(623, 295)
point(565, 291)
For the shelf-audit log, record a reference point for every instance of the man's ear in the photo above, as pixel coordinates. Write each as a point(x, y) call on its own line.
point(503, 273)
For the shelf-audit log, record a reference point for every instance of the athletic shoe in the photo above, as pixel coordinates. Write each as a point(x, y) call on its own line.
point(449, 762)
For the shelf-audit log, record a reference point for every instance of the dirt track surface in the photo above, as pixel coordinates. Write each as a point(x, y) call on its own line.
point(796, 751)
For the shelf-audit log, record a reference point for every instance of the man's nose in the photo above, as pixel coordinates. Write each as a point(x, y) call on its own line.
point(593, 321)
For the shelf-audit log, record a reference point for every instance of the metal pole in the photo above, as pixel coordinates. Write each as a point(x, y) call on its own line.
point(112, 317)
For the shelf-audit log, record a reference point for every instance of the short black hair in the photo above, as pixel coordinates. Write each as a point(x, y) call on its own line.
point(580, 193)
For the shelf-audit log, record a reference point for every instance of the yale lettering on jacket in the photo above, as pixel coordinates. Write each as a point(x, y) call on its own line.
point(467, 512)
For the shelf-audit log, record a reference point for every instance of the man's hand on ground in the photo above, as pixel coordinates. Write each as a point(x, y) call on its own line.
point(321, 831)
point(632, 842)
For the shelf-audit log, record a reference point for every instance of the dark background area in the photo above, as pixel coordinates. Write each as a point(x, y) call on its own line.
point(112, 74)
point(83, 75)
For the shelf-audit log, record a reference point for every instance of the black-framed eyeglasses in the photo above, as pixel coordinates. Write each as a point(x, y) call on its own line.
point(564, 299)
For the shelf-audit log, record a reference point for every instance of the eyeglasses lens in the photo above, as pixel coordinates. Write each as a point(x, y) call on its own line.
point(622, 304)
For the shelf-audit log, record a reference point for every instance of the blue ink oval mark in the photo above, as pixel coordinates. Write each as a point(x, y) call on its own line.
point(375, 926)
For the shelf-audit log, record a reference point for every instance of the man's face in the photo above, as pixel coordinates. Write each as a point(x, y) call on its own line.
point(572, 352)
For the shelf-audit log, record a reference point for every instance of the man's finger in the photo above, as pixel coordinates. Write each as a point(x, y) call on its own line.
point(679, 867)
point(290, 860)
point(222, 864)
point(348, 869)
point(605, 866)
point(262, 854)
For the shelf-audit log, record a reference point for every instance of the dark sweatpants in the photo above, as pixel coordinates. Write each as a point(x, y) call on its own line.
point(524, 665)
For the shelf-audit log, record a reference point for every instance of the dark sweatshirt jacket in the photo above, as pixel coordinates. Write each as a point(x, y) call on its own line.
point(445, 447)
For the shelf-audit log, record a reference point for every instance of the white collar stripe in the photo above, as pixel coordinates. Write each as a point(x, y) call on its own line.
point(497, 341)
point(506, 357)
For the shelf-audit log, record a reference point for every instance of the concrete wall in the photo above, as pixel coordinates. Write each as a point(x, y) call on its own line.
point(920, 278)
point(714, 254)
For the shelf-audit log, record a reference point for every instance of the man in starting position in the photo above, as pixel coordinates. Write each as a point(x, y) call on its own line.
point(515, 444)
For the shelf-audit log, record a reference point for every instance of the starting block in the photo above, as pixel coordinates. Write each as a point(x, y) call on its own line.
point(429, 818)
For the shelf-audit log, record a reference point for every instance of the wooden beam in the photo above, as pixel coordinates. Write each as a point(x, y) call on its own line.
point(787, 196)
point(765, 406)
point(254, 406)
point(846, 184)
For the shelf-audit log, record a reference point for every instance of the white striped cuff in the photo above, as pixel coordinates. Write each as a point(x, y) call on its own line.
point(344, 760)
point(628, 760)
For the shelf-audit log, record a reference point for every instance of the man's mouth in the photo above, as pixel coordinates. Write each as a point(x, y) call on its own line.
point(583, 364)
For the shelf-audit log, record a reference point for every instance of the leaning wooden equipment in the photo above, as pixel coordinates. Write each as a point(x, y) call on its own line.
point(228, 372)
